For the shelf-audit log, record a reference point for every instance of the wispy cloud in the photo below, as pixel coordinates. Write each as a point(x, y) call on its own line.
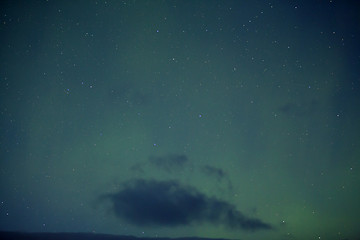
point(169, 162)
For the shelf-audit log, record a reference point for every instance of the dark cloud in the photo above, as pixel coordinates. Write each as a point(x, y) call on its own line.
point(167, 203)
point(169, 162)
point(137, 168)
point(218, 173)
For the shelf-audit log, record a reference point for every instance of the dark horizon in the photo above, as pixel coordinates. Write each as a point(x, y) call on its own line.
point(18, 235)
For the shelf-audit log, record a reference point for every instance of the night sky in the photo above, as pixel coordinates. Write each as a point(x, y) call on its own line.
point(231, 119)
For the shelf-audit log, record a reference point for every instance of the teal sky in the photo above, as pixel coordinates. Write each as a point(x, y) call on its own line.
point(252, 104)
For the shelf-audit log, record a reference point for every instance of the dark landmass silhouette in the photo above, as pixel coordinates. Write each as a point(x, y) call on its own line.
point(83, 236)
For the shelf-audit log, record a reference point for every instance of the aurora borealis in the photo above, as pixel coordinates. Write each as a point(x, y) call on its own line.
point(216, 119)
